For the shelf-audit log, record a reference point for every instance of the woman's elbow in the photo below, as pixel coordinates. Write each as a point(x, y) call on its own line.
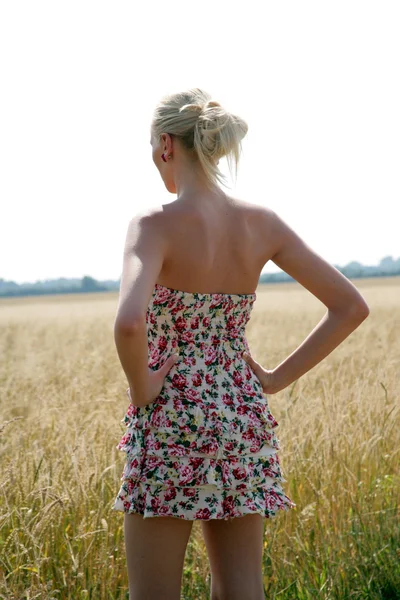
point(359, 311)
point(129, 327)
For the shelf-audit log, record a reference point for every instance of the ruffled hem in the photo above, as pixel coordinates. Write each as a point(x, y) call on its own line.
point(236, 472)
point(201, 462)
point(202, 503)
point(194, 429)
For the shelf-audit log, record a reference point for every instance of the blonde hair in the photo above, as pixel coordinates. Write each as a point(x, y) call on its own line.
point(205, 128)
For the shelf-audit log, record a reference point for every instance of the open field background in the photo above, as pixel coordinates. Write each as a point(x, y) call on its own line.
point(62, 399)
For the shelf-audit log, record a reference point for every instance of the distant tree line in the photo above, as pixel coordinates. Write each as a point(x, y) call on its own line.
point(387, 267)
point(354, 270)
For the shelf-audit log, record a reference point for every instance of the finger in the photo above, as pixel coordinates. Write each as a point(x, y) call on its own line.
point(169, 363)
point(251, 362)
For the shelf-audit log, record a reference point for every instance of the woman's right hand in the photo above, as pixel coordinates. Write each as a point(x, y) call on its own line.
point(265, 377)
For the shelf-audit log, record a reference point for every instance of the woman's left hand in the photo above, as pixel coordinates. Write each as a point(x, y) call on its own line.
point(156, 378)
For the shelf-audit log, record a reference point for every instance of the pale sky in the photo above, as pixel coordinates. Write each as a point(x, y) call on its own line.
point(317, 82)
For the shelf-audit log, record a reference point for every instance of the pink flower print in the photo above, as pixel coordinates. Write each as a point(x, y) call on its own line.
point(193, 395)
point(176, 449)
point(227, 400)
point(228, 305)
point(162, 295)
point(180, 324)
point(124, 440)
point(183, 423)
point(178, 406)
point(215, 341)
point(155, 504)
point(237, 378)
point(272, 420)
point(196, 462)
point(217, 300)
point(179, 307)
point(188, 337)
point(186, 474)
point(248, 435)
point(196, 379)
point(210, 447)
point(203, 513)
point(194, 322)
point(229, 446)
point(250, 504)
point(239, 473)
point(228, 505)
point(255, 445)
point(189, 361)
point(131, 486)
point(132, 409)
point(226, 473)
point(248, 389)
point(227, 364)
point(209, 356)
point(154, 357)
point(162, 343)
point(151, 443)
point(165, 511)
point(152, 462)
point(270, 499)
point(268, 472)
point(159, 418)
point(208, 417)
point(230, 323)
point(170, 494)
point(254, 420)
point(241, 486)
point(179, 381)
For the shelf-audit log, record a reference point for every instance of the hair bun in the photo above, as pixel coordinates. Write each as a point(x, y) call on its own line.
point(204, 127)
point(211, 103)
point(191, 107)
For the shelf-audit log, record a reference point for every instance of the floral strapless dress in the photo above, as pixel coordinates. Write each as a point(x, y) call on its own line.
point(206, 447)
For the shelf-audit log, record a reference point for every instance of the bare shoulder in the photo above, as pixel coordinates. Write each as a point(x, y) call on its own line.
point(281, 244)
point(145, 225)
point(295, 256)
point(251, 208)
point(148, 217)
point(259, 218)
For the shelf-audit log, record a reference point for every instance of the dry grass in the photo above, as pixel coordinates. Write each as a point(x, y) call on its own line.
point(62, 398)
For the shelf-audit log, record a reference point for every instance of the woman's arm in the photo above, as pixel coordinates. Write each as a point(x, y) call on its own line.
point(347, 308)
point(142, 262)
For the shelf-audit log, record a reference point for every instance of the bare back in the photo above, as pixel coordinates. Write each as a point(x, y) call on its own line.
point(214, 246)
point(220, 245)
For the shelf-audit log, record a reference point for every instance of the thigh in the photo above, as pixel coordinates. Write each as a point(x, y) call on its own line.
point(155, 553)
point(235, 551)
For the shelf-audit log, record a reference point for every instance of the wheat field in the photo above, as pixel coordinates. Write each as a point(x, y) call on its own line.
point(62, 400)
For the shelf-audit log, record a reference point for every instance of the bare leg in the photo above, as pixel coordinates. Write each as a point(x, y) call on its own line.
point(155, 553)
point(235, 549)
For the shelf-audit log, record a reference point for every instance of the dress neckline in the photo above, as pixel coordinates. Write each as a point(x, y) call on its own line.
point(205, 294)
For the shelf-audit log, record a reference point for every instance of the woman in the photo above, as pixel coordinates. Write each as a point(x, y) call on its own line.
point(200, 438)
